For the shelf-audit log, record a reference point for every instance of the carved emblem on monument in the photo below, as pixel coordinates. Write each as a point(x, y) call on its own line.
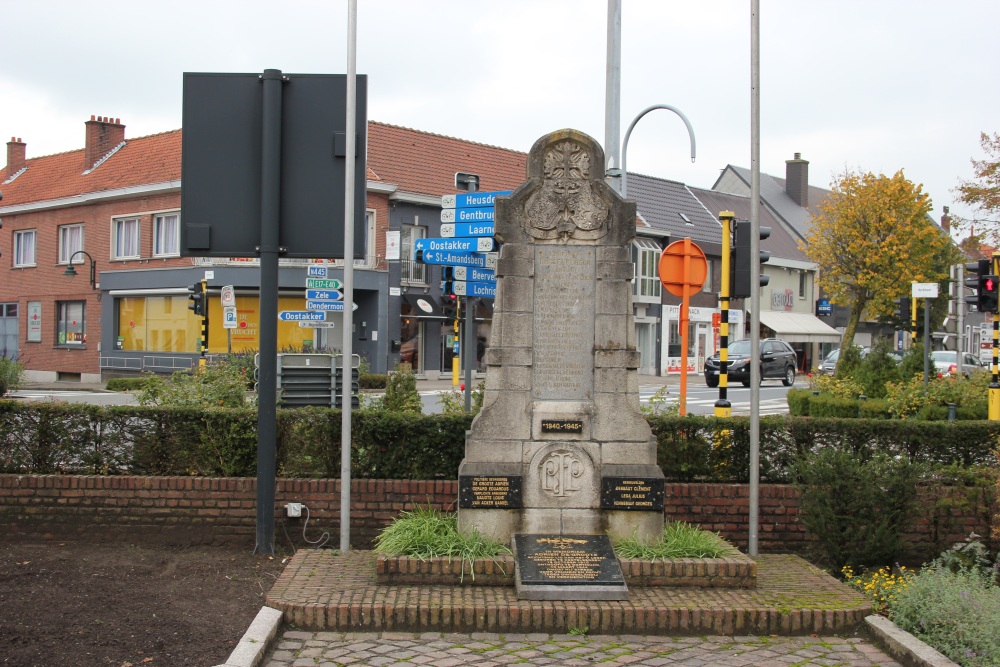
point(567, 205)
point(561, 473)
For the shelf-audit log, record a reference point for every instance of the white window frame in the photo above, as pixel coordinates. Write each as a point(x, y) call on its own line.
point(803, 284)
point(646, 287)
point(63, 314)
point(411, 271)
point(126, 235)
point(68, 246)
point(21, 248)
point(161, 244)
point(370, 260)
point(707, 287)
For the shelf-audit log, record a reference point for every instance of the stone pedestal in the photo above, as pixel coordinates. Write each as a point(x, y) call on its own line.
point(561, 407)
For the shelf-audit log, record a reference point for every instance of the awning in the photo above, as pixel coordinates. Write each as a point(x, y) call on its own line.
point(421, 306)
point(799, 327)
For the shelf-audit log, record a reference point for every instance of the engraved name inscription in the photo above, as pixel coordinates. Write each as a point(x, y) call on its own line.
point(628, 493)
point(489, 492)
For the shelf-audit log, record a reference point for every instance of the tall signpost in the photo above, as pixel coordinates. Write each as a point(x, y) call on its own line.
point(925, 291)
point(683, 269)
point(723, 408)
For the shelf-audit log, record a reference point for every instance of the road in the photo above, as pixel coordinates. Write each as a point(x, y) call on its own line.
point(700, 399)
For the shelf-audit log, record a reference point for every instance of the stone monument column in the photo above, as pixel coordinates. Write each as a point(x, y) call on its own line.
point(560, 446)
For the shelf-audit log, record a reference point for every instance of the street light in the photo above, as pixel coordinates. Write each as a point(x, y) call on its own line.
point(71, 271)
point(677, 111)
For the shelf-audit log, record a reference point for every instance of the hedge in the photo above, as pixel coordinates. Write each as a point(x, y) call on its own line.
point(54, 438)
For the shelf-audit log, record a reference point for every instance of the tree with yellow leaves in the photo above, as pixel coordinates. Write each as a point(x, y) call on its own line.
point(983, 193)
point(871, 239)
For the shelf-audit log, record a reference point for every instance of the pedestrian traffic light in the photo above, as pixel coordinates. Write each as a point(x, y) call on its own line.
point(739, 270)
point(903, 312)
point(988, 293)
point(975, 275)
point(197, 298)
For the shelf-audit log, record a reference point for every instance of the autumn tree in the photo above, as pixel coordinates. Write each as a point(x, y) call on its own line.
point(983, 193)
point(871, 238)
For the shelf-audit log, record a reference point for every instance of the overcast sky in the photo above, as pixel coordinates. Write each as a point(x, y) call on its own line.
point(873, 85)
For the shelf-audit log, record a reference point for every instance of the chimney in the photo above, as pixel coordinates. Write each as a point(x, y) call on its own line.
point(103, 136)
point(797, 180)
point(15, 156)
point(946, 221)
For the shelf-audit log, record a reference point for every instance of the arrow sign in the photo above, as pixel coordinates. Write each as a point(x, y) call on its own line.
point(324, 295)
point(467, 215)
point(317, 325)
point(472, 199)
point(461, 259)
point(473, 274)
point(485, 290)
point(479, 244)
point(318, 283)
point(329, 306)
point(300, 316)
point(464, 229)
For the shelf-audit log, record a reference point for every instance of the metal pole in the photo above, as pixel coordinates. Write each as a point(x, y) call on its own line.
point(723, 408)
point(993, 393)
point(628, 133)
point(470, 334)
point(270, 210)
point(960, 344)
point(754, 275)
point(927, 341)
point(613, 95)
point(348, 347)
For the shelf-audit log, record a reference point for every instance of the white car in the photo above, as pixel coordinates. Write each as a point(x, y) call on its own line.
point(946, 362)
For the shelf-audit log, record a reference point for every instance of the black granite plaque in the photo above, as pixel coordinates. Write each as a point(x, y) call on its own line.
point(574, 426)
point(632, 493)
point(566, 560)
point(489, 491)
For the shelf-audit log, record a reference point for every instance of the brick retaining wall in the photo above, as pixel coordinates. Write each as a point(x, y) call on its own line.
point(200, 510)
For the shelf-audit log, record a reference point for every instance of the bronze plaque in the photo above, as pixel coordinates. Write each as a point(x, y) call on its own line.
point(574, 426)
point(489, 491)
point(566, 559)
point(632, 493)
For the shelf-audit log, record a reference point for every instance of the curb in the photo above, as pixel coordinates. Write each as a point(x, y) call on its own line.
point(903, 646)
point(254, 645)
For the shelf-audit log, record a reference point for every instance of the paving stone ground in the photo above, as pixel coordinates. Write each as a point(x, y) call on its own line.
point(434, 649)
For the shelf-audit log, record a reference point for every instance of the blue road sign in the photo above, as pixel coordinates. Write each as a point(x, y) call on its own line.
point(457, 258)
point(472, 199)
point(467, 214)
point(466, 229)
point(301, 316)
point(324, 294)
point(329, 306)
point(316, 271)
point(484, 290)
point(473, 274)
point(458, 245)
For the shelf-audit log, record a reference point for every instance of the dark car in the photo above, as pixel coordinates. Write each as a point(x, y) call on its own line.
point(777, 361)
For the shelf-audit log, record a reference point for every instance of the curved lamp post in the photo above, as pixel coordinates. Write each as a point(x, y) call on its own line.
point(71, 271)
point(677, 111)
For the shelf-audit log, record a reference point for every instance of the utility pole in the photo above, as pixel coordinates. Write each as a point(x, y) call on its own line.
point(612, 96)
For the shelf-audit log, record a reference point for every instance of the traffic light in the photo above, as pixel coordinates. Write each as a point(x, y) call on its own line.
point(197, 298)
point(977, 274)
point(903, 312)
point(988, 293)
point(739, 271)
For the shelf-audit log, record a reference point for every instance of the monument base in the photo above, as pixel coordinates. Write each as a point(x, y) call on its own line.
point(567, 567)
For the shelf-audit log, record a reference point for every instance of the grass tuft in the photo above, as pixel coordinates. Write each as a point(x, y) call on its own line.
point(679, 540)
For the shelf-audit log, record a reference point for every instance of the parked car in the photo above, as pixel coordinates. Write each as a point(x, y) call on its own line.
point(777, 361)
point(946, 362)
point(829, 365)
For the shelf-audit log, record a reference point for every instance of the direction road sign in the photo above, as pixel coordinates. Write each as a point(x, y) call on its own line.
point(484, 290)
point(316, 271)
point(317, 325)
point(301, 315)
point(324, 295)
point(477, 244)
point(330, 306)
point(472, 199)
point(473, 274)
point(464, 229)
point(467, 214)
point(319, 283)
point(457, 258)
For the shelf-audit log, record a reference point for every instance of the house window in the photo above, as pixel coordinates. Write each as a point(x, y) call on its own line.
point(803, 280)
point(70, 242)
point(708, 286)
point(166, 235)
point(71, 324)
point(411, 270)
point(646, 257)
point(125, 238)
point(369, 260)
point(24, 248)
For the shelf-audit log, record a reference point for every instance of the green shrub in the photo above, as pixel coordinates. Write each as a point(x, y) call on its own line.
point(453, 402)
point(874, 408)
point(876, 369)
point(11, 375)
point(828, 405)
point(856, 507)
point(401, 393)
point(798, 402)
point(678, 540)
point(218, 384)
point(373, 381)
point(127, 384)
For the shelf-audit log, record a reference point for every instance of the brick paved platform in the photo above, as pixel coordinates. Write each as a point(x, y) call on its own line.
point(321, 590)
